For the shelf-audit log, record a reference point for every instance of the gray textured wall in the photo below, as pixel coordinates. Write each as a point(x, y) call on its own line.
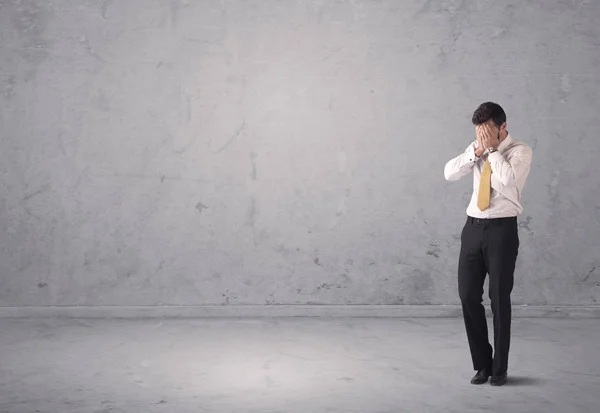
point(260, 152)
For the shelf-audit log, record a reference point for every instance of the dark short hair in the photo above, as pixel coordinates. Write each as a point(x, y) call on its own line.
point(487, 111)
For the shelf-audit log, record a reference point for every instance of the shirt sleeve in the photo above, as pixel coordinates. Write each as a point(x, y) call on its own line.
point(514, 169)
point(461, 165)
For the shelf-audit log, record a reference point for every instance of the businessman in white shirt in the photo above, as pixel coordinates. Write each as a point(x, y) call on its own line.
point(500, 165)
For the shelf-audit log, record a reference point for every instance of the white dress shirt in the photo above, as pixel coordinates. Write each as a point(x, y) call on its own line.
point(510, 167)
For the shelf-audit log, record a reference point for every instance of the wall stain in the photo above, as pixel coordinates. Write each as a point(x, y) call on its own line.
point(453, 10)
point(89, 49)
point(9, 90)
point(590, 272)
point(42, 284)
point(35, 193)
point(346, 279)
point(188, 146)
point(270, 300)
point(565, 87)
point(231, 139)
point(419, 285)
point(84, 173)
point(251, 219)
point(61, 144)
point(100, 101)
point(104, 7)
point(228, 297)
point(175, 9)
point(253, 160)
point(525, 224)
point(283, 250)
point(200, 207)
point(346, 379)
point(434, 250)
point(188, 108)
point(328, 286)
point(30, 19)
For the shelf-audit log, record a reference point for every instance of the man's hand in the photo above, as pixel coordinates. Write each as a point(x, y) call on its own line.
point(480, 148)
point(488, 139)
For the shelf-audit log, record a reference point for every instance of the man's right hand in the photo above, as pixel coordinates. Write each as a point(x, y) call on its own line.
point(480, 149)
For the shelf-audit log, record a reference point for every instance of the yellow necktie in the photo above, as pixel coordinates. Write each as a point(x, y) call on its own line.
point(485, 183)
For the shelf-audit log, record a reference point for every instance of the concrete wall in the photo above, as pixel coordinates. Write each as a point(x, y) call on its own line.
point(286, 152)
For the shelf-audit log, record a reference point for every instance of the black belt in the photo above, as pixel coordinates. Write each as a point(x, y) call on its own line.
point(473, 220)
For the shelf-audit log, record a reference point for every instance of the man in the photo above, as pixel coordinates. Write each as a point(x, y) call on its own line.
point(489, 239)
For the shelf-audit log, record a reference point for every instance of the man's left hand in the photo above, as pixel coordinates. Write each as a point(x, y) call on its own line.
point(488, 139)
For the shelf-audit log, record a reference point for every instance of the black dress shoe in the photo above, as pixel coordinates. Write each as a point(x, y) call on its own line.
point(498, 380)
point(481, 377)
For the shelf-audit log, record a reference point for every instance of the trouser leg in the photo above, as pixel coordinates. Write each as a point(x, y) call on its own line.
point(500, 248)
point(471, 277)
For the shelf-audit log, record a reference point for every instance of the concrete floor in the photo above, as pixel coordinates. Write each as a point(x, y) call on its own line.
point(306, 365)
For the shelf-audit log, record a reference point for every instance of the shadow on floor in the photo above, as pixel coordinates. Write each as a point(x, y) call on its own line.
point(523, 381)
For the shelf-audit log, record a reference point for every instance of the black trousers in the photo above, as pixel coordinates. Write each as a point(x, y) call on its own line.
point(488, 246)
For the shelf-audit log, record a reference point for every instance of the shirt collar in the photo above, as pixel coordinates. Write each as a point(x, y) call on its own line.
point(504, 143)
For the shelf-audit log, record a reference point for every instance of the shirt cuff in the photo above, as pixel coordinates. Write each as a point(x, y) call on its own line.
point(471, 154)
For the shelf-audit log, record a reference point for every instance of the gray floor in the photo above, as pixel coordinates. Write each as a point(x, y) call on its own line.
point(290, 365)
